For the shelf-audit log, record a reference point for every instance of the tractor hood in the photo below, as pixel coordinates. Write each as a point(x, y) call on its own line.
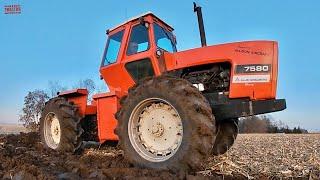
point(249, 52)
point(259, 83)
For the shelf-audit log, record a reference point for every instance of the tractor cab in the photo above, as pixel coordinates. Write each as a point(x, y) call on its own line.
point(133, 49)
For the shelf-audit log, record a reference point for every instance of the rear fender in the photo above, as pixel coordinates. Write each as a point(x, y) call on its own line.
point(79, 97)
point(107, 106)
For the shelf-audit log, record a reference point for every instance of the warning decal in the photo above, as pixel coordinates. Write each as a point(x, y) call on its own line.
point(251, 78)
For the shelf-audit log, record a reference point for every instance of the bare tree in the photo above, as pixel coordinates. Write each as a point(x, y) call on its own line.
point(87, 84)
point(101, 87)
point(54, 88)
point(34, 102)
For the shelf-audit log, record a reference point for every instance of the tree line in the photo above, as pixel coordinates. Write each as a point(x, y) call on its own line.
point(264, 124)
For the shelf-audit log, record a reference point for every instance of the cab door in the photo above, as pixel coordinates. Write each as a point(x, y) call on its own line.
point(139, 59)
point(111, 69)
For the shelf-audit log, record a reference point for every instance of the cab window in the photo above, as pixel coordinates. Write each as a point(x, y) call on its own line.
point(112, 48)
point(164, 39)
point(139, 40)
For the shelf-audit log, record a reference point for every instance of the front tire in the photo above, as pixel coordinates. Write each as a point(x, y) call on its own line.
point(60, 126)
point(165, 123)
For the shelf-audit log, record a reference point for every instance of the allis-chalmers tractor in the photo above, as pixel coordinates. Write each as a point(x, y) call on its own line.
point(166, 109)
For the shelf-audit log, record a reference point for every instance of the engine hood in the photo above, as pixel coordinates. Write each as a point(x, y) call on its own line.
point(236, 53)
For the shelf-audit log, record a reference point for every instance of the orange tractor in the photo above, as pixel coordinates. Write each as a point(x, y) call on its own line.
point(167, 109)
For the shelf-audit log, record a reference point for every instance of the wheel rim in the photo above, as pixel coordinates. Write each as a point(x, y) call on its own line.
point(155, 129)
point(52, 131)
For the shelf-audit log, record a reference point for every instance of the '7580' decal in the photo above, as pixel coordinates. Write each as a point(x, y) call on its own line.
point(253, 68)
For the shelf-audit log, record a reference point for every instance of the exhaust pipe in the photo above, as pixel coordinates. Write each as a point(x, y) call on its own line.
point(200, 22)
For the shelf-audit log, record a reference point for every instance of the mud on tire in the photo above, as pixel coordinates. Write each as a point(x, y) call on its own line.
point(194, 111)
point(69, 123)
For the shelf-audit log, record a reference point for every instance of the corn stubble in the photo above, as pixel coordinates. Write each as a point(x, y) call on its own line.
point(270, 156)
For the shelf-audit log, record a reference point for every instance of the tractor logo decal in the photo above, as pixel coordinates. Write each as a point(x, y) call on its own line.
point(248, 51)
point(251, 78)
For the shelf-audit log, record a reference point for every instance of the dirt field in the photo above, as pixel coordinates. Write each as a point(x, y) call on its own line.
point(254, 156)
point(11, 129)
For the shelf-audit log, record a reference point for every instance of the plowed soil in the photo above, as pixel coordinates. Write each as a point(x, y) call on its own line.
point(252, 157)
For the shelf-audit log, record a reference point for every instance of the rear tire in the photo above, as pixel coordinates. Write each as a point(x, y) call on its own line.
point(186, 104)
point(60, 126)
point(227, 132)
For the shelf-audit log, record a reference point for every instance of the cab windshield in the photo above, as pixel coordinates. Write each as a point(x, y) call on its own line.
point(164, 39)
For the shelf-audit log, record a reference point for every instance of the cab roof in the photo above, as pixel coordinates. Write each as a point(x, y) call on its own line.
point(139, 16)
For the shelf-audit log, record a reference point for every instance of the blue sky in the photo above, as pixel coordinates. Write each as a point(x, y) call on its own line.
point(64, 41)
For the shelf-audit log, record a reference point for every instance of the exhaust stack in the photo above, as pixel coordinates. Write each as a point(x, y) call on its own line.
point(200, 22)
